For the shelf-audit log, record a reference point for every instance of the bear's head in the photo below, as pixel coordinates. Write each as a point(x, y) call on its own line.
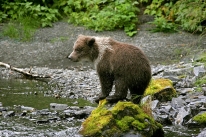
point(84, 48)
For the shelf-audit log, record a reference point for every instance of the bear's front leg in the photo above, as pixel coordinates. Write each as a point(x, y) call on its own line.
point(120, 91)
point(106, 82)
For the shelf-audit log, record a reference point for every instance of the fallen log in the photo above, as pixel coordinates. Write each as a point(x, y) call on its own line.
point(25, 73)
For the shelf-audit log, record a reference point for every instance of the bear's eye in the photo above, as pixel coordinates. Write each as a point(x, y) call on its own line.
point(78, 50)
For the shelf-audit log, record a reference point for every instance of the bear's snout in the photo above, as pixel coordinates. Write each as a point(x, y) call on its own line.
point(72, 57)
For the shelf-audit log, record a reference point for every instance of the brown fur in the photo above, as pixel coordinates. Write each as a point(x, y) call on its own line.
point(116, 63)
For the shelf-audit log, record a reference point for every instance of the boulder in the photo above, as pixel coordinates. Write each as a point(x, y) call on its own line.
point(121, 119)
point(162, 89)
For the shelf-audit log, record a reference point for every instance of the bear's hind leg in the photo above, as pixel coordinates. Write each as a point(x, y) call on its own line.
point(136, 94)
point(120, 91)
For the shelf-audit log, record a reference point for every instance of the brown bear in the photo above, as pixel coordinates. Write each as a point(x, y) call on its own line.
point(121, 64)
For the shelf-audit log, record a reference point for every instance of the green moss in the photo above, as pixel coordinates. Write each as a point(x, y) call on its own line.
point(157, 85)
point(124, 123)
point(138, 125)
point(200, 118)
point(97, 120)
point(162, 89)
point(118, 119)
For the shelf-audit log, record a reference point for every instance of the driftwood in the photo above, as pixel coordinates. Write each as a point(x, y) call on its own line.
point(25, 73)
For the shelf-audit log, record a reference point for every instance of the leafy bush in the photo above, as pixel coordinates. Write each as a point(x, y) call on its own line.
point(191, 14)
point(188, 14)
point(3, 16)
point(17, 10)
point(164, 15)
point(102, 14)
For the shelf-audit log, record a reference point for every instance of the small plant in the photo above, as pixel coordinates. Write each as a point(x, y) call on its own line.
point(11, 30)
point(163, 25)
point(22, 29)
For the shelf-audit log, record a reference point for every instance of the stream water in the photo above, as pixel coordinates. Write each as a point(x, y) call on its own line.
point(16, 94)
point(31, 93)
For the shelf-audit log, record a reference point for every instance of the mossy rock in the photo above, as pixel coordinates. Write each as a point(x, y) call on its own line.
point(116, 120)
point(162, 89)
point(200, 119)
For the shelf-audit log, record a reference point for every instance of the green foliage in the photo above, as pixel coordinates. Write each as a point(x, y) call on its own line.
point(188, 14)
point(103, 15)
point(3, 16)
point(21, 29)
point(164, 15)
point(44, 15)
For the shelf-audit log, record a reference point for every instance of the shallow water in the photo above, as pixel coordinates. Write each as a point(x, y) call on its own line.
point(15, 93)
point(32, 93)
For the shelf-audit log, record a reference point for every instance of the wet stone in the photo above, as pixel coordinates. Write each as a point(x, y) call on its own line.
point(203, 133)
point(27, 108)
point(154, 104)
point(2, 109)
point(55, 106)
point(177, 102)
point(184, 91)
point(199, 71)
point(78, 113)
point(8, 113)
point(44, 112)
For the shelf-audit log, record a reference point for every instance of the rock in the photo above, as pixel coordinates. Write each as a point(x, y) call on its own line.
point(164, 119)
point(55, 106)
point(118, 119)
point(2, 109)
point(31, 109)
point(178, 102)
point(44, 112)
point(78, 113)
point(186, 70)
point(165, 94)
point(162, 89)
point(199, 71)
point(203, 133)
point(174, 79)
point(146, 99)
point(154, 104)
point(184, 91)
point(8, 113)
point(182, 114)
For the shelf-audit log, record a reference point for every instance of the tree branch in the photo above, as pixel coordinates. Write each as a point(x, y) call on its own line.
point(25, 73)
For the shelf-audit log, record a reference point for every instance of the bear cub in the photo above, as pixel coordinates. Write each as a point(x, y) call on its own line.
point(116, 63)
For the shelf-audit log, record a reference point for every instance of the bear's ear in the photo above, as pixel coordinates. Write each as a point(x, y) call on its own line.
point(90, 42)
